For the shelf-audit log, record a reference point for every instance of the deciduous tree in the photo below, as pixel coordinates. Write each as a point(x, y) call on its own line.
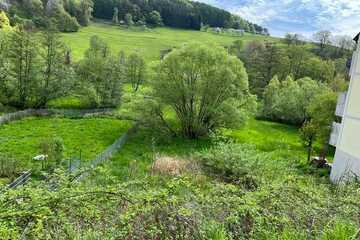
point(321, 112)
point(23, 56)
point(205, 87)
point(135, 70)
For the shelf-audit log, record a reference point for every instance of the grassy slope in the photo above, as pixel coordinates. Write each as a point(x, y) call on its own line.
point(137, 155)
point(149, 42)
point(21, 139)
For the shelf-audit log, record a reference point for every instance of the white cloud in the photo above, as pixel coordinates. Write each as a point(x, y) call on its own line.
point(303, 16)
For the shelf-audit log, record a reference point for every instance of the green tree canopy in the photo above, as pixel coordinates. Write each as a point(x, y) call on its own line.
point(154, 19)
point(205, 87)
point(288, 100)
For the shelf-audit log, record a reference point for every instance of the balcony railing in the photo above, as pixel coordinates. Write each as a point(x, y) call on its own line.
point(335, 134)
point(340, 107)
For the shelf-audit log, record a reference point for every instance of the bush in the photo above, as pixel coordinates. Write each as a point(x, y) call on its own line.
point(53, 148)
point(234, 162)
point(287, 101)
point(90, 97)
point(208, 89)
point(67, 23)
point(154, 19)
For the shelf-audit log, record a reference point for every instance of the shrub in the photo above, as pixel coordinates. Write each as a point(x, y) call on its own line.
point(67, 23)
point(233, 162)
point(53, 148)
point(154, 19)
point(287, 101)
point(340, 230)
point(205, 87)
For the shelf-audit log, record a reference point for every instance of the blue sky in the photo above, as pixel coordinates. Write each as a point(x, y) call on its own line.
point(342, 17)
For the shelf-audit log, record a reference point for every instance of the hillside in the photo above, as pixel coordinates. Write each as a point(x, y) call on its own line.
point(100, 139)
point(149, 42)
point(69, 15)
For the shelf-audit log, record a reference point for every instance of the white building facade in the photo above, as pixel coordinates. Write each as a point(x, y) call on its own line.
point(346, 135)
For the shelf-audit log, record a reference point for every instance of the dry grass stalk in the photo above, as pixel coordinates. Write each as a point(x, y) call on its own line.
point(171, 166)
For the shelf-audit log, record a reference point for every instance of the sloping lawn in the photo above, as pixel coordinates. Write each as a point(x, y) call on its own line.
point(149, 42)
point(91, 136)
point(268, 136)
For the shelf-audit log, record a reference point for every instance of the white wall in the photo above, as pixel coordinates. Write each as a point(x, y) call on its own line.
point(347, 157)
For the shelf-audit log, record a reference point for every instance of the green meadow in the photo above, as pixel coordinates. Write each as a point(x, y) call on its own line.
point(150, 42)
point(21, 139)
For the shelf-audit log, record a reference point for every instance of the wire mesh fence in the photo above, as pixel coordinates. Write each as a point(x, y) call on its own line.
point(7, 118)
point(75, 163)
point(107, 154)
point(23, 179)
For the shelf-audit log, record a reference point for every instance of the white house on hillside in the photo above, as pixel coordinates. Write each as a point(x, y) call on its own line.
point(346, 135)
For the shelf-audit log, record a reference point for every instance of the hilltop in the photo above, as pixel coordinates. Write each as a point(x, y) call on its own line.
point(149, 42)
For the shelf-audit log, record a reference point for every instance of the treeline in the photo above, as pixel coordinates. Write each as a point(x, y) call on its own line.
point(37, 68)
point(291, 78)
point(69, 15)
point(264, 60)
point(297, 82)
point(66, 15)
point(174, 13)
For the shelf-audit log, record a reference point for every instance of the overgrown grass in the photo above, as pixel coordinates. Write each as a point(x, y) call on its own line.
point(91, 136)
point(136, 157)
point(275, 200)
point(69, 102)
point(149, 42)
point(242, 193)
point(268, 136)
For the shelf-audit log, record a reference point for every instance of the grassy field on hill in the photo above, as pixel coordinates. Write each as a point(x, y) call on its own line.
point(21, 139)
point(150, 42)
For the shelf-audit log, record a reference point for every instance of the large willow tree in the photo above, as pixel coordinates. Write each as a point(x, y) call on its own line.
point(205, 87)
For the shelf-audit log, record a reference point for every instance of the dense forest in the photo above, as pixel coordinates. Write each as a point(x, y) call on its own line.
point(177, 13)
point(69, 15)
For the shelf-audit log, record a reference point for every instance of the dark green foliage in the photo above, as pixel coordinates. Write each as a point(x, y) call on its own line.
point(288, 100)
point(23, 56)
point(321, 112)
point(129, 20)
point(154, 19)
point(135, 70)
point(265, 60)
point(33, 70)
point(66, 23)
point(5, 68)
point(66, 15)
point(102, 75)
point(55, 79)
point(262, 61)
point(175, 13)
point(234, 163)
point(308, 134)
point(205, 87)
